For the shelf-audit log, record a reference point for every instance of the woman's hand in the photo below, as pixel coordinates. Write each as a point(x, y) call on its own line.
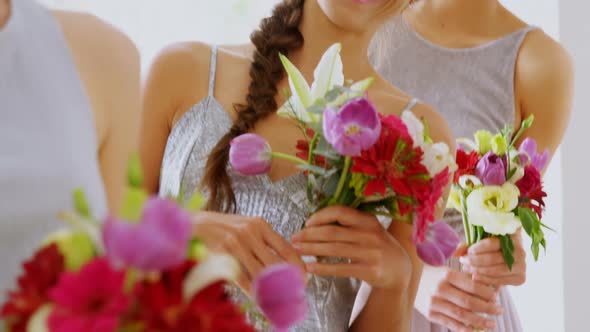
point(376, 256)
point(457, 299)
point(252, 241)
point(485, 261)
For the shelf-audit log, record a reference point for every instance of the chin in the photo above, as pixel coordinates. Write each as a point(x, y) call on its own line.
point(358, 15)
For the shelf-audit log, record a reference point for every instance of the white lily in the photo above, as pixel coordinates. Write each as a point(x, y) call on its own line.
point(215, 268)
point(328, 73)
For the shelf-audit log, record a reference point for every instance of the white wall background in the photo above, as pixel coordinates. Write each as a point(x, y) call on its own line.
point(153, 24)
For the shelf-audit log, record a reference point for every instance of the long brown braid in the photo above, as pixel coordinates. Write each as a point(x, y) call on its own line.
point(277, 33)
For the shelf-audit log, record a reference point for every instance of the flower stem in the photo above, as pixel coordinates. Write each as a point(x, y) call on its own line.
point(312, 145)
point(288, 157)
point(466, 224)
point(342, 182)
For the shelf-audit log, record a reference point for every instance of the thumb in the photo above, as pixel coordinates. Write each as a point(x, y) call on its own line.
point(461, 250)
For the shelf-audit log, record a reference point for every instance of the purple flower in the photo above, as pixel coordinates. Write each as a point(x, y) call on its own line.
point(538, 160)
point(158, 242)
point(354, 129)
point(250, 154)
point(440, 244)
point(491, 170)
point(280, 293)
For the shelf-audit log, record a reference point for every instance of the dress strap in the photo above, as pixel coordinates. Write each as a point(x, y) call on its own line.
point(411, 104)
point(213, 70)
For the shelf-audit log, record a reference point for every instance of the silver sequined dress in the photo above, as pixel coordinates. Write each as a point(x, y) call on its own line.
point(283, 203)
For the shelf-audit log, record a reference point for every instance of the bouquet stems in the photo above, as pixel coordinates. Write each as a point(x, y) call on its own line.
point(336, 198)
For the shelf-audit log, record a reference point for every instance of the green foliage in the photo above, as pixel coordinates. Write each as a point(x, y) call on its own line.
point(134, 172)
point(507, 250)
point(533, 227)
point(133, 203)
point(81, 203)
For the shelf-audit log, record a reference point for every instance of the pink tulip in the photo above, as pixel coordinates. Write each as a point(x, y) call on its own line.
point(440, 244)
point(280, 294)
point(353, 129)
point(250, 154)
point(538, 160)
point(158, 242)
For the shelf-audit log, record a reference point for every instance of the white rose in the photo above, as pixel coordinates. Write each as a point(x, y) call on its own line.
point(437, 157)
point(491, 207)
point(415, 128)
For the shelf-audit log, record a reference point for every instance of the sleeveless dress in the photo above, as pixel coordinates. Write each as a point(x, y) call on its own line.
point(473, 88)
point(48, 144)
point(282, 203)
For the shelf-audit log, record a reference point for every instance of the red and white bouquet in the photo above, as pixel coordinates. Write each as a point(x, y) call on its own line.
point(140, 270)
point(355, 156)
point(498, 188)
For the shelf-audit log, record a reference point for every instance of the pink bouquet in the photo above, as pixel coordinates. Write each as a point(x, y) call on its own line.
point(140, 270)
point(355, 156)
point(498, 188)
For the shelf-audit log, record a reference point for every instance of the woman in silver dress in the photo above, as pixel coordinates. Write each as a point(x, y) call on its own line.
point(482, 68)
point(199, 97)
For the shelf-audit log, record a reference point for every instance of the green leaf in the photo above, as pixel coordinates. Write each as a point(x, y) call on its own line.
point(81, 203)
point(133, 203)
point(527, 218)
point(134, 172)
point(507, 250)
point(195, 203)
point(299, 87)
point(314, 169)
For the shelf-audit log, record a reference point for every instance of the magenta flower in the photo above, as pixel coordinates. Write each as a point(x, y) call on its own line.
point(91, 300)
point(280, 294)
point(491, 170)
point(354, 129)
point(250, 154)
point(538, 160)
point(158, 242)
point(440, 244)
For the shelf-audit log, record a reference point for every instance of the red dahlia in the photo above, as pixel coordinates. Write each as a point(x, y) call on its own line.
point(40, 274)
point(393, 163)
point(162, 307)
point(466, 163)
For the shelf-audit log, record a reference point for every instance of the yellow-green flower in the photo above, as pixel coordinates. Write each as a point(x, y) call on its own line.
point(454, 201)
point(76, 247)
point(492, 208)
point(483, 139)
point(499, 145)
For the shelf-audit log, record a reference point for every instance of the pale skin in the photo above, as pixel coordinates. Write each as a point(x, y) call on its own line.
point(543, 87)
point(383, 258)
point(108, 64)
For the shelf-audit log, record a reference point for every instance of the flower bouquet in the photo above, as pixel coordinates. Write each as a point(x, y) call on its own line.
point(140, 270)
point(354, 156)
point(498, 188)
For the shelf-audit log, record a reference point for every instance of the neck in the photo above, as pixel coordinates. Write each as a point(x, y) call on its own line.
point(320, 33)
point(5, 9)
point(463, 13)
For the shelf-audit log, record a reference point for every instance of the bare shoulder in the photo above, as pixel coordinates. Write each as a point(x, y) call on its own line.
point(182, 67)
point(109, 66)
point(98, 40)
point(543, 59)
point(394, 101)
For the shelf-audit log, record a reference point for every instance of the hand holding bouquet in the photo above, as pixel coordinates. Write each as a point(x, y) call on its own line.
point(356, 157)
point(140, 270)
point(498, 188)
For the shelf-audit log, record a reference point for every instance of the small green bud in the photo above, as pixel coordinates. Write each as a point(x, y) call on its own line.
point(483, 139)
point(499, 145)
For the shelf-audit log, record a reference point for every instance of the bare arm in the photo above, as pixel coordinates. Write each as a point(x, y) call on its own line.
point(176, 81)
point(108, 63)
point(397, 306)
point(544, 85)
